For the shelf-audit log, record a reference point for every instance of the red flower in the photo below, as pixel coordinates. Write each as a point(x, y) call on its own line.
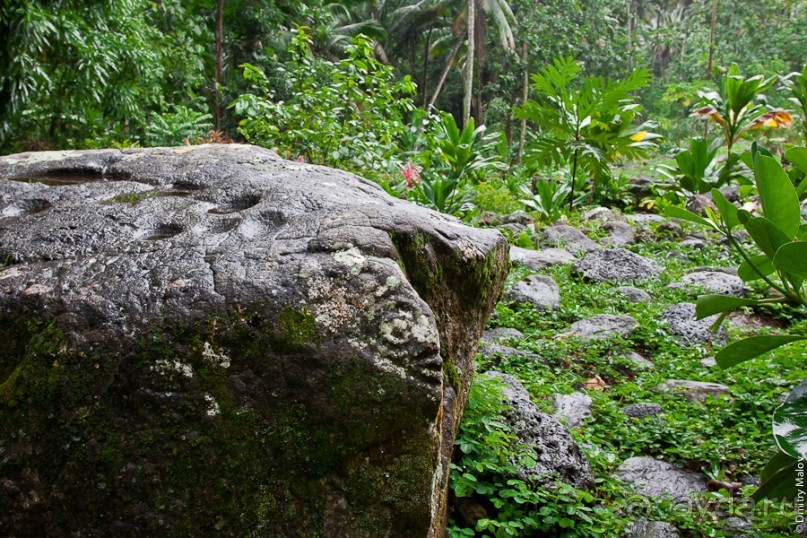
point(411, 174)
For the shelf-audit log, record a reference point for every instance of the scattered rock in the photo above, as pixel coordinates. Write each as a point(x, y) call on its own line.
point(501, 333)
point(538, 259)
point(634, 295)
point(572, 407)
point(645, 218)
point(498, 350)
point(694, 391)
point(699, 202)
point(568, 238)
point(714, 268)
point(656, 478)
point(731, 192)
point(683, 325)
point(692, 243)
point(651, 529)
point(643, 410)
point(616, 265)
point(738, 527)
point(619, 233)
point(603, 214)
point(603, 326)
point(708, 362)
point(641, 362)
point(557, 454)
point(669, 230)
point(539, 290)
point(717, 282)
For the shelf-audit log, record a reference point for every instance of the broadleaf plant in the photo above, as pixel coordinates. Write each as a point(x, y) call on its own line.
point(780, 262)
point(585, 127)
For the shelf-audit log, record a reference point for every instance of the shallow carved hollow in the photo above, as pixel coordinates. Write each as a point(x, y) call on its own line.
point(294, 367)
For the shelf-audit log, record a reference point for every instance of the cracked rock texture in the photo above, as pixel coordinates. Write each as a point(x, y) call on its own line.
point(213, 340)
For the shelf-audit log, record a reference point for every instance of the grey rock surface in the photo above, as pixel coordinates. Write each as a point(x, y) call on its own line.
point(708, 362)
point(641, 362)
point(694, 391)
point(557, 454)
point(656, 478)
point(280, 329)
point(616, 265)
point(492, 351)
point(651, 529)
point(619, 233)
point(645, 218)
point(634, 295)
point(603, 326)
point(568, 238)
point(538, 259)
point(682, 323)
point(573, 408)
point(500, 334)
point(719, 282)
point(643, 410)
point(538, 290)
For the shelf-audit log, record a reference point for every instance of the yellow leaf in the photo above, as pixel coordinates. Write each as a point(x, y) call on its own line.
point(638, 137)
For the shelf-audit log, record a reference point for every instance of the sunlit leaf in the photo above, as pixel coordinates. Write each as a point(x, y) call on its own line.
point(790, 423)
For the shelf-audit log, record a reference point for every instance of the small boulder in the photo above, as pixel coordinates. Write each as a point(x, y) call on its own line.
point(539, 290)
point(619, 233)
point(538, 259)
point(501, 333)
point(651, 529)
point(682, 323)
point(717, 282)
point(643, 410)
point(634, 295)
point(694, 391)
point(557, 454)
point(568, 238)
point(698, 203)
point(639, 361)
point(692, 243)
point(603, 326)
point(645, 218)
point(572, 407)
point(616, 265)
point(656, 478)
point(708, 362)
point(498, 350)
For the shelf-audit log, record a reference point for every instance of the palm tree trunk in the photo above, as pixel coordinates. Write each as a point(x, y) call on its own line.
point(712, 39)
point(444, 74)
point(525, 89)
point(219, 60)
point(469, 64)
point(425, 78)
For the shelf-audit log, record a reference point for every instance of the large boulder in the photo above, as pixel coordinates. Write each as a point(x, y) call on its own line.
point(212, 340)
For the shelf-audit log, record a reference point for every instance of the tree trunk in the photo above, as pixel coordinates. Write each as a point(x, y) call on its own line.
point(630, 34)
point(425, 78)
point(469, 64)
point(219, 60)
point(525, 89)
point(712, 39)
point(444, 74)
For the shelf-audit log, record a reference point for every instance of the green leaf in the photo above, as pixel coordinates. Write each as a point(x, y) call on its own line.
point(778, 478)
point(727, 210)
point(767, 235)
point(761, 262)
point(798, 156)
point(679, 213)
point(748, 348)
point(790, 423)
point(791, 258)
point(778, 197)
point(715, 304)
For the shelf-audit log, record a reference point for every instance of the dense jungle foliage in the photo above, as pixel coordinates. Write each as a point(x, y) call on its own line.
point(486, 108)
